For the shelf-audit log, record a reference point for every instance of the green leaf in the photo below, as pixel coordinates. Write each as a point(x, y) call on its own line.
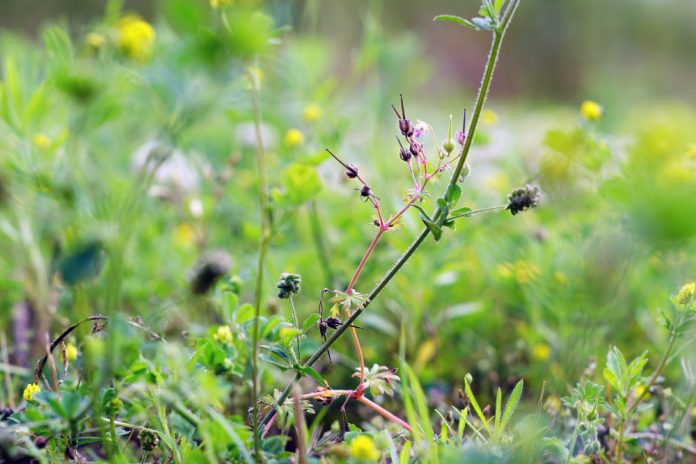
point(475, 405)
point(278, 351)
point(244, 313)
point(455, 19)
point(498, 413)
point(611, 378)
point(452, 194)
point(310, 322)
point(434, 228)
point(511, 405)
point(308, 370)
point(460, 212)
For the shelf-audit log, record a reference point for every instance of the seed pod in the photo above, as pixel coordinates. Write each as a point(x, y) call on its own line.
point(404, 153)
point(365, 191)
point(352, 171)
point(415, 148)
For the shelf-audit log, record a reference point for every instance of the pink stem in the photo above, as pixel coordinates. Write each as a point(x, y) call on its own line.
point(384, 412)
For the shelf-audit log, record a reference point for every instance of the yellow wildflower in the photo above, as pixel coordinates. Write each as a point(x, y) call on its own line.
point(560, 278)
point(95, 41)
point(489, 117)
point(363, 448)
point(41, 141)
point(311, 113)
point(71, 352)
point(31, 390)
point(293, 138)
point(687, 293)
point(184, 236)
point(526, 272)
point(504, 270)
point(218, 3)
point(591, 111)
point(136, 37)
point(639, 392)
point(223, 334)
point(541, 352)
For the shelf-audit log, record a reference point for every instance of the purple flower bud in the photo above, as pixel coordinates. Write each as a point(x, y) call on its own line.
point(415, 148)
point(460, 137)
point(365, 191)
point(351, 171)
point(406, 127)
point(404, 154)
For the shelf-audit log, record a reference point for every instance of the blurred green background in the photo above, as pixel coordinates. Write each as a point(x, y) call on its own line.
point(620, 52)
point(540, 296)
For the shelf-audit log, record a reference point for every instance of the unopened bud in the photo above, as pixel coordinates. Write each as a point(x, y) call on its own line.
point(352, 171)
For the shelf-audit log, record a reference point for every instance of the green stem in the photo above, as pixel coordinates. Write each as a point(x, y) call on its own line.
point(633, 404)
point(573, 439)
point(480, 101)
point(297, 326)
point(263, 248)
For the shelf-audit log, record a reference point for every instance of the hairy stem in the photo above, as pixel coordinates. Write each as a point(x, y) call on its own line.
point(297, 326)
point(480, 101)
point(263, 248)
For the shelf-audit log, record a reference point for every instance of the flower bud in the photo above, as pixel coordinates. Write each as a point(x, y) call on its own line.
point(460, 137)
point(523, 198)
point(466, 170)
point(687, 293)
point(352, 171)
point(404, 153)
point(448, 143)
point(288, 284)
point(415, 148)
point(365, 191)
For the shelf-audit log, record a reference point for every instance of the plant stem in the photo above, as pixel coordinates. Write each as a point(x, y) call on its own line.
point(297, 326)
point(633, 404)
point(367, 402)
point(263, 248)
point(353, 332)
point(480, 100)
point(573, 439)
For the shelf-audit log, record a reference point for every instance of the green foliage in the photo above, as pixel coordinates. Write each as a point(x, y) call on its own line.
point(120, 176)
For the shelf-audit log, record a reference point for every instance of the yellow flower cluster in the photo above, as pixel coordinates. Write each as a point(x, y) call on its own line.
point(136, 37)
point(541, 352)
point(31, 390)
point(41, 141)
point(591, 111)
point(224, 334)
point(523, 272)
point(71, 352)
point(311, 113)
point(293, 138)
point(687, 294)
point(362, 448)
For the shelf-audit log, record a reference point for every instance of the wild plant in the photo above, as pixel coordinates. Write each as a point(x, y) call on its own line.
point(423, 163)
